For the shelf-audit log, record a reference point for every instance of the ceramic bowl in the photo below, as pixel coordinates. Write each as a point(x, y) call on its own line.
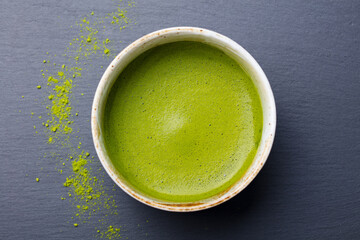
point(233, 50)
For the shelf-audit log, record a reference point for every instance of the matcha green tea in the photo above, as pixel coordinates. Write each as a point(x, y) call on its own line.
point(182, 122)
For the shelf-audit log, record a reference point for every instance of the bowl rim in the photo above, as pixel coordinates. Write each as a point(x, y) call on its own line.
point(259, 159)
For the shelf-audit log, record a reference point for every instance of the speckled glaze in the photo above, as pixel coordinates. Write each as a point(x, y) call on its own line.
point(233, 50)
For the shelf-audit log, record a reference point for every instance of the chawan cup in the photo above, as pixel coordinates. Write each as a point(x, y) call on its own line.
point(233, 50)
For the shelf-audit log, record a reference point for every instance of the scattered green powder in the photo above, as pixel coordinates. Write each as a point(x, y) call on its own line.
point(110, 233)
point(85, 185)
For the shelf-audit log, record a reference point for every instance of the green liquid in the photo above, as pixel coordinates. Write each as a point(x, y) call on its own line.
point(183, 122)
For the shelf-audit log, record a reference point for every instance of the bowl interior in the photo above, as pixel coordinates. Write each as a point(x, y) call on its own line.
point(229, 47)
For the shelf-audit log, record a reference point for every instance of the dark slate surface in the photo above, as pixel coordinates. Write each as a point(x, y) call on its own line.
point(310, 186)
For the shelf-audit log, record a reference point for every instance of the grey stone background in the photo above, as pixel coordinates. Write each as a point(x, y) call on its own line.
point(308, 189)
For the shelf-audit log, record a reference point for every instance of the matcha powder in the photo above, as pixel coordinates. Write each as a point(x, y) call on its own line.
point(86, 192)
